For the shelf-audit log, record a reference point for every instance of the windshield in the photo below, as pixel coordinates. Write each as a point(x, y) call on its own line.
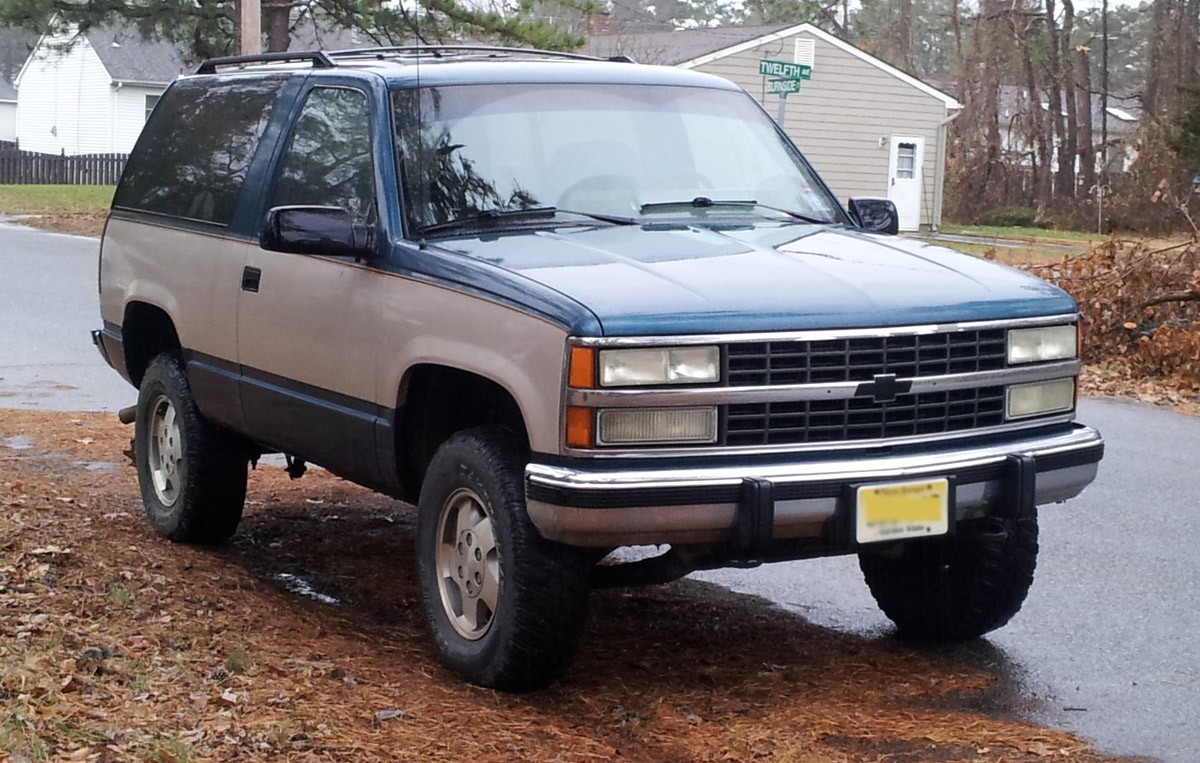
point(620, 152)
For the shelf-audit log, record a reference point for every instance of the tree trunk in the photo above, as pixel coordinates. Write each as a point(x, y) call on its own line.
point(993, 39)
point(278, 23)
point(1037, 124)
point(1071, 136)
point(904, 32)
point(1154, 74)
point(1062, 178)
point(1087, 145)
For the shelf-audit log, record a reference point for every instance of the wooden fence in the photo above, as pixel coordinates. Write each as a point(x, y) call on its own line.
point(28, 167)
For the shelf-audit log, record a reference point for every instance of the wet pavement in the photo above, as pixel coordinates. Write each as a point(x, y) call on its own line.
point(48, 305)
point(1108, 643)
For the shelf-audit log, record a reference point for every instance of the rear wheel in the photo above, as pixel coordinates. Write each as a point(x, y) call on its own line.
point(958, 587)
point(505, 607)
point(192, 473)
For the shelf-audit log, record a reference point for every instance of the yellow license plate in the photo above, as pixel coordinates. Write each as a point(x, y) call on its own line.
point(899, 510)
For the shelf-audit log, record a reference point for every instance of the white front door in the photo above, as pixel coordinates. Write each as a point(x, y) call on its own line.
point(904, 178)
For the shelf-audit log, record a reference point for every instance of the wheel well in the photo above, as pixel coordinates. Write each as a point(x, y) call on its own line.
point(437, 401)
point(147, 332)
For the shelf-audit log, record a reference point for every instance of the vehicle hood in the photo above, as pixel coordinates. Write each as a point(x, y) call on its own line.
point(682, 279)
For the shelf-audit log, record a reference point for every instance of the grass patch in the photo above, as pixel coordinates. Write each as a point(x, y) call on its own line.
point(54, 199)
point(1014, 231)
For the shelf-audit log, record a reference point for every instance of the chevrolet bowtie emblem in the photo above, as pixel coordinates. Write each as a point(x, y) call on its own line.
point(884, 388)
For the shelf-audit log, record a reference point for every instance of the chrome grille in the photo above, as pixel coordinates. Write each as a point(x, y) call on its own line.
point(861, 358)
point(861, 418)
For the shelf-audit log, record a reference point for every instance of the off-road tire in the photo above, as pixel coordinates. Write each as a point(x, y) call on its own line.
point(209, 485)
point(959, 587)
point(543, 587)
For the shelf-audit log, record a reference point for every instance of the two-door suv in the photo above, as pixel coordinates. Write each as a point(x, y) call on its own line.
point(565, 306)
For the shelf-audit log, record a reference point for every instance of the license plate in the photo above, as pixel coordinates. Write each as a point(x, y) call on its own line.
point(899, 510)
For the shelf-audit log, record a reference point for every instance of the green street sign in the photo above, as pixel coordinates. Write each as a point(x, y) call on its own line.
point(785, 86)
point(784, 70)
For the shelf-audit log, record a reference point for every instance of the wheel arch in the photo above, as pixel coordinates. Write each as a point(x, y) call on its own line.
point(437, 400)
point(147, 330)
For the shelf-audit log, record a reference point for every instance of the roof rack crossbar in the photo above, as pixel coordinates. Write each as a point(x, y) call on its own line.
point(436, 50)
point(317, 58)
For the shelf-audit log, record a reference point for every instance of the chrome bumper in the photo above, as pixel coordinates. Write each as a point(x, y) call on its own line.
point(605, 506)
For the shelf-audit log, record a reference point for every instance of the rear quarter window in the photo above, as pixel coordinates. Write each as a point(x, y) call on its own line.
point(192, 158)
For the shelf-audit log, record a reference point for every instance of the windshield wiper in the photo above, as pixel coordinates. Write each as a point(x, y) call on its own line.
point(489, 217)
point(492, 216)
point(703, 202)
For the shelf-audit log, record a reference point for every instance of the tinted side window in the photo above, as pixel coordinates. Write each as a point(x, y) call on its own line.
point(192, 158)
point(328, 161)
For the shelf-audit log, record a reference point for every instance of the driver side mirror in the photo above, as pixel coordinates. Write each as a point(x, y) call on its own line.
point(875, 215)
point(326, 231)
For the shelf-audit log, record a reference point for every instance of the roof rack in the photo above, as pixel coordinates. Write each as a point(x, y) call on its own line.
point(317, 58)
point(437, 51)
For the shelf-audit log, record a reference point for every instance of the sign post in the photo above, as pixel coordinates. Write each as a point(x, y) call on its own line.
point(785, 78)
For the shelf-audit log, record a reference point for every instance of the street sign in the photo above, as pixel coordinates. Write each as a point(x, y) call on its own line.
point(785, 86)
point(784, 70)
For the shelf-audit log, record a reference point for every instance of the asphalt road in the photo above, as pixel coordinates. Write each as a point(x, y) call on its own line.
point(1108, 643)
point(48, 304)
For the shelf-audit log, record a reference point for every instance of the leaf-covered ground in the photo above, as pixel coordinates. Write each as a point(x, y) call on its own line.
point(303, 640)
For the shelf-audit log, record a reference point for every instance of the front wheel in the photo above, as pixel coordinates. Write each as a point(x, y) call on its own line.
point(959, 587)
point(505, 607)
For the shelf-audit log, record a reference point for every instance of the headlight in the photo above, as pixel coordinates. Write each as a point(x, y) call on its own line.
point(669, 365)
point(1042, 344)
point(640, 426)
point(1040, 398)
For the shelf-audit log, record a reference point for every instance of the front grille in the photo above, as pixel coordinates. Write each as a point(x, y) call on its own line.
point(830, 361)
point(861, 418)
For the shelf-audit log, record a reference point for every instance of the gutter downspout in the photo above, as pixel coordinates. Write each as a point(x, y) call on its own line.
point(939, 184)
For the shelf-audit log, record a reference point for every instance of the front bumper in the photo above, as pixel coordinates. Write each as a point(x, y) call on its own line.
point(602, 506)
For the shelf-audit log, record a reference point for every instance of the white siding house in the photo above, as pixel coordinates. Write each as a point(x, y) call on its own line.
point(867, 127)
point(8, 111)
point(90, 92)
point(15, 45)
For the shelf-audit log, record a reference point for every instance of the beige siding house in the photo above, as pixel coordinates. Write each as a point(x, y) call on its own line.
point(868, 128)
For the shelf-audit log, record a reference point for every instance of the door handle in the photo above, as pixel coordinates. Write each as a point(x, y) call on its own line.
point(250, 278)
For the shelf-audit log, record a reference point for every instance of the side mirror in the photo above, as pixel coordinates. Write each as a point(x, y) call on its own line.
point(328, 231)
point(875, 215)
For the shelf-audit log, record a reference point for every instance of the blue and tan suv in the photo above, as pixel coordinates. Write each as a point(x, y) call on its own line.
point(568, 305)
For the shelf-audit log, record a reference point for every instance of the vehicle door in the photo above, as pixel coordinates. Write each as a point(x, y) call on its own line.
point(304, 321)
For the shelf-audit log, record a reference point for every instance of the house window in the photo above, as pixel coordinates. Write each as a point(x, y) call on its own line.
point(151, 102)
point(906, 161)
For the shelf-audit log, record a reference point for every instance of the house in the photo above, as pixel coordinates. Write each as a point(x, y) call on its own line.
point(90, 92)
point(15, 45)
point(1118, 122)
point(8, 111)
point(867, 127)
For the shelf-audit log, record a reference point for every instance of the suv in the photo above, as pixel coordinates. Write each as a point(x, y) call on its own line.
point(567, 305)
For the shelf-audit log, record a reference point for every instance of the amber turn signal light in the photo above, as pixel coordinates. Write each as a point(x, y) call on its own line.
point(580, 423)
point(581, 373)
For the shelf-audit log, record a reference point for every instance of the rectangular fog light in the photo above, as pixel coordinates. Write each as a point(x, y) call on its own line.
point(1041, 398)
point(656, 426)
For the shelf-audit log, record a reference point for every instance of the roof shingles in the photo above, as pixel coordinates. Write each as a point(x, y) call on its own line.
point(673, 48)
